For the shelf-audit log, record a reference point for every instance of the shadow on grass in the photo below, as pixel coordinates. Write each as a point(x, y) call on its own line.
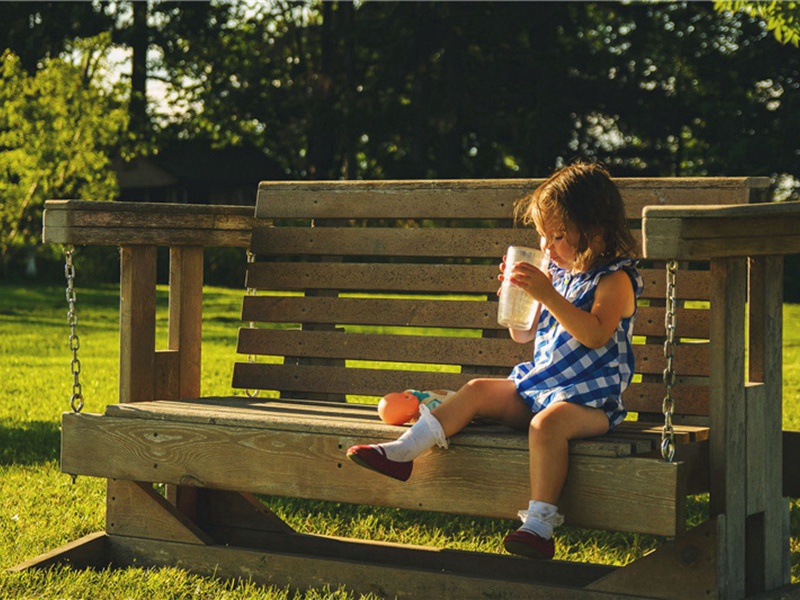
point(29, 442)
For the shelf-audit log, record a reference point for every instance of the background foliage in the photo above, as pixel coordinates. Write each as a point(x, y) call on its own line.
point(398, 90)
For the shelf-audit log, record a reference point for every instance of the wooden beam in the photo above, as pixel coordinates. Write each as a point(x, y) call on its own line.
point(137, 323)
point(728, 444)
point(383, 570)
point(143, 223)
point(90, 551)
point(694, 233)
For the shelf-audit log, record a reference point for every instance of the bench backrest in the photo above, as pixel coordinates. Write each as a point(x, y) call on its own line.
point(364, 288)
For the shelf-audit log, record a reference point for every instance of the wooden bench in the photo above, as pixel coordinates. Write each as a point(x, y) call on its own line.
point(361, 288)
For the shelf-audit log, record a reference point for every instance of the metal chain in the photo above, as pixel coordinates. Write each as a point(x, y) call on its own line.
point(76, 401)
point(668, 405)
point(251, 358)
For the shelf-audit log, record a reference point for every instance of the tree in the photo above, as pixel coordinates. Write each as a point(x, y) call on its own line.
point(58, 129)
point(781, 18)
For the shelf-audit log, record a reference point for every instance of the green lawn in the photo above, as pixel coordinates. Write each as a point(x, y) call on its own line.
point(42, 509)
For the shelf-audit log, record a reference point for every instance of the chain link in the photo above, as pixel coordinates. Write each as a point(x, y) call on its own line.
point(251, 358)
point(668, 405)
point(76, 400)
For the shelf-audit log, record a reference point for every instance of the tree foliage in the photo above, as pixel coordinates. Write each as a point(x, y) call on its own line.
point(58, 128)
point(400, 90)
point(781, 18)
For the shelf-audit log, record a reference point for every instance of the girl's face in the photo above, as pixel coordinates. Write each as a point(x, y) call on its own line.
point(561, 242)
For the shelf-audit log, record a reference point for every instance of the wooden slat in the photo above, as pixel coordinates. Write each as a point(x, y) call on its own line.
point(480, 279)
point(363, 382)
point(689, 359)
point(691, 323)
point(648, 397)
point(690, 285)
point(374, 277)
point(438, 242)
point(430, 313)
point(401, 348)
point(702, 232)
point(312, 465)
point(474, 199)
point(372, 311)
point(134, 223)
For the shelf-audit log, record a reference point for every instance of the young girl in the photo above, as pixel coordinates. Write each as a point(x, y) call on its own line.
point(582, 356)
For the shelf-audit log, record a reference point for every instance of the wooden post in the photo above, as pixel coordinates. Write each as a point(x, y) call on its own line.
point(728, 443)
point(137, 323)
point(186, 315)
point(766, 505)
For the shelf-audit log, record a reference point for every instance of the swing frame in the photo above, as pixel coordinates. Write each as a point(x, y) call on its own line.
point(747, 505)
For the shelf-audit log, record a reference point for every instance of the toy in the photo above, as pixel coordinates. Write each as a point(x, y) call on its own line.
point(398, 408)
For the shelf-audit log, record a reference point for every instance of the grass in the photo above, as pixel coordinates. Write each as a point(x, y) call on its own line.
point(42, 508)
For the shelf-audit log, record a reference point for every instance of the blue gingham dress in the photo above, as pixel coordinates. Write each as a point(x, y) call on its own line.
point(563, 369)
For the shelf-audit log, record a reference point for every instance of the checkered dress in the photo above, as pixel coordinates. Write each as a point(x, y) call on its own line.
point(563, 369)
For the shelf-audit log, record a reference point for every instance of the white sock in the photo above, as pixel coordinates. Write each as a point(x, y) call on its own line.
point(540, 518)
point(423, 434)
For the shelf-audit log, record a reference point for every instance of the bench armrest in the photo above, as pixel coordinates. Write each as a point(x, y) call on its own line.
point(145, 223)
point(705, 232)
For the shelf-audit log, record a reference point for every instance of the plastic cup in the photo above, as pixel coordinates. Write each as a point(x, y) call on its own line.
point(517, 308)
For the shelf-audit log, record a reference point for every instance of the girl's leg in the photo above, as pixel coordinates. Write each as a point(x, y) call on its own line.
point(548, 440)
point(494, 399)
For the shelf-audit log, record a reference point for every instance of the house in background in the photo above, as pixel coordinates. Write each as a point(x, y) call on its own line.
point(192, 172)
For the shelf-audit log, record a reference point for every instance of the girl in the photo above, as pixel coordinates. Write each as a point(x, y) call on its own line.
point(582, 358)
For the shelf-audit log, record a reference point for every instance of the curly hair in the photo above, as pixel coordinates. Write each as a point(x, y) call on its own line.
point(581, 194)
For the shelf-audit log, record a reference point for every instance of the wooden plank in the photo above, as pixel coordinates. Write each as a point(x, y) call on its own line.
point(89, 551)
point(136, 223)
point(767, 288)
point(410, 278)
point(467, 314)
point(166, 375)
point(438, 242)
point(312, 465)
point(472, 199)
point(324, 417)
point(728, 444)
point(404, 348)
point(639, 397)
point(648, 397)
point(379, 570)
point(351, 380)
point(137, 323)
point(479, 279)
point(721, 231)
point(186, 316)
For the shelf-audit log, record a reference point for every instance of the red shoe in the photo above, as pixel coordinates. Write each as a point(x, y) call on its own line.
point(375, 458)
point(525, 543)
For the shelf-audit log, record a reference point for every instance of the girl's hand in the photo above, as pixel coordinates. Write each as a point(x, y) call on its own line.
point(531, 279)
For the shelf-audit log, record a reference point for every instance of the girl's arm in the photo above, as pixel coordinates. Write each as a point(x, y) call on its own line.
point(613, 300)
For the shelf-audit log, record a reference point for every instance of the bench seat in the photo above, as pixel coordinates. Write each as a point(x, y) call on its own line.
point(296, 447)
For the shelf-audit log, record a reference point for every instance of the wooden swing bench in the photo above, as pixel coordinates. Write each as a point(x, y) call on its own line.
point(361, 288)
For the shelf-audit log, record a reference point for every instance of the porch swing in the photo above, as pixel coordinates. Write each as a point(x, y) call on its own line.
point(214, 454)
